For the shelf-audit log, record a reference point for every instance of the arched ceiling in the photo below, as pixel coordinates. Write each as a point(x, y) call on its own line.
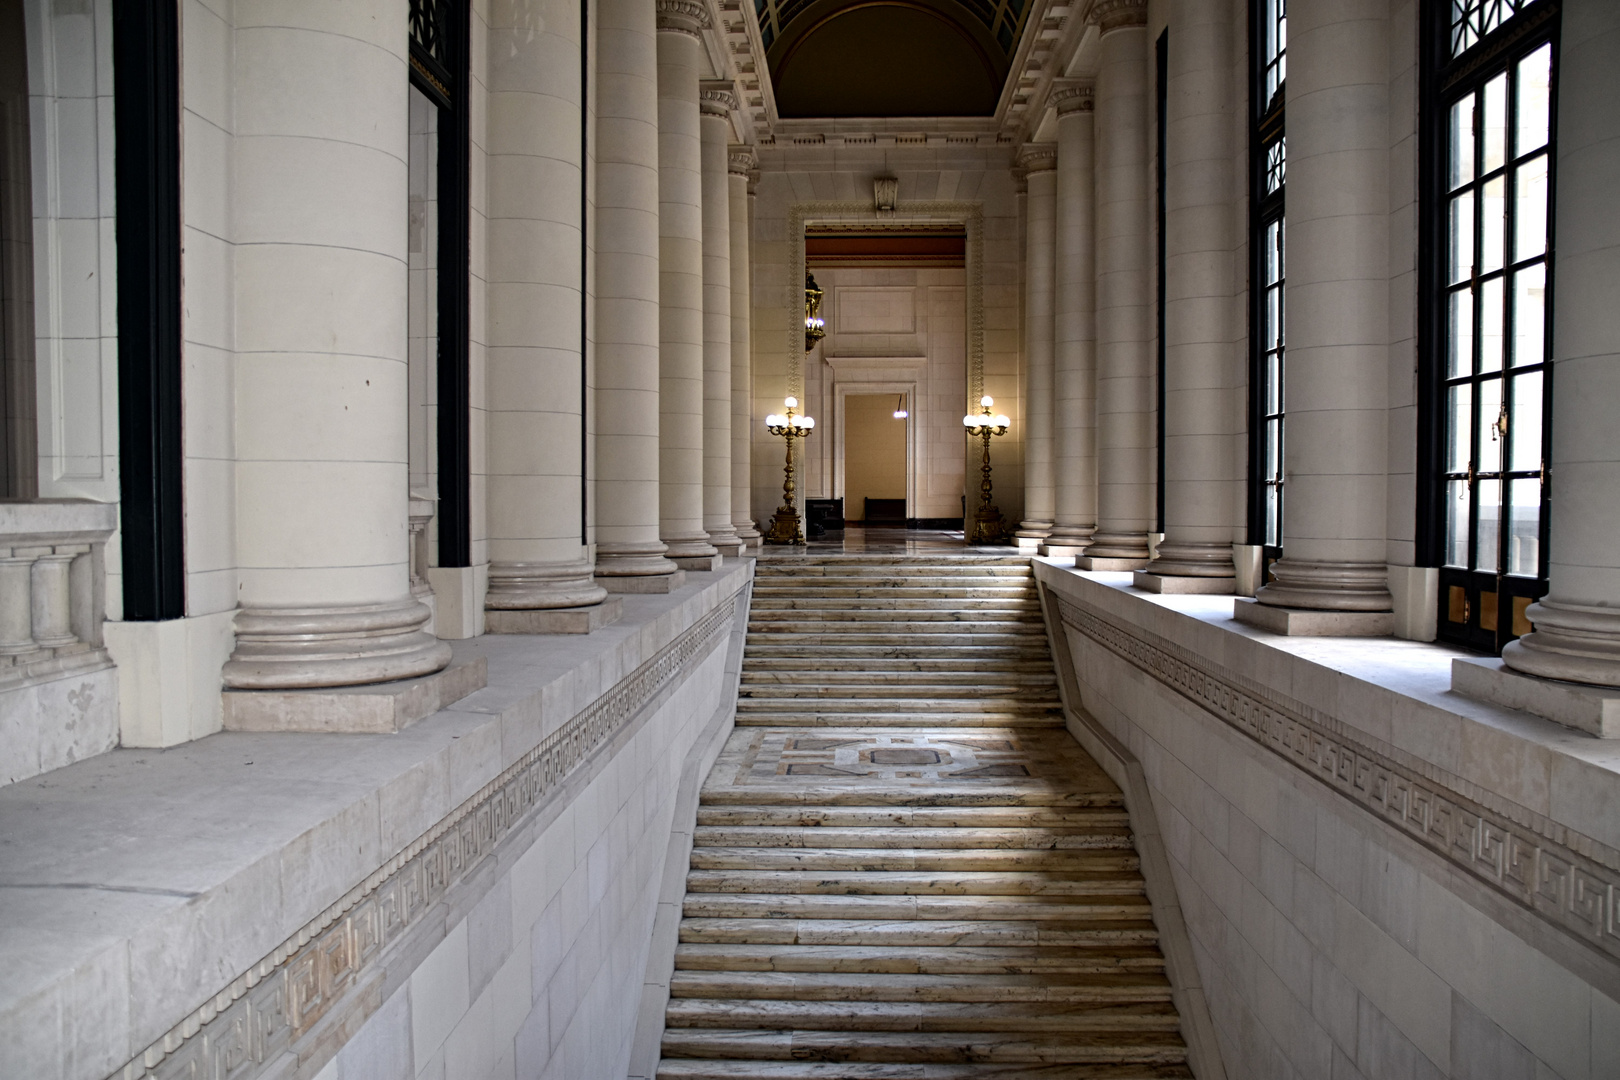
point(881, 58)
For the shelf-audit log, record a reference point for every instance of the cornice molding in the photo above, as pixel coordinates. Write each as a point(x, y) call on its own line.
point(1037, 157)
point(716, 99)
point(1110, 15)
point(1073, 95)
point(741, 160)
point(682, 17)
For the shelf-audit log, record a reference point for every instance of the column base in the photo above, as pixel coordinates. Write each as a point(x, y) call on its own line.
point(525, 586)
point(1191, 559)
point(1313, 622)
point(678, 548)
point(577, 620)
point(1116, 551)
point(645, 583)
point(1571, 643)
point(1148, 581)
point(298, 648)
point(698, 562)
point(1328, 586)
point(1066, 541)
point(377, 709)
point(630, 560)
point(1592, 709)
point(1098, 562)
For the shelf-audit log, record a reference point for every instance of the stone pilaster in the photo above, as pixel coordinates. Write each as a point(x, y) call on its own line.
point(538, 559)
point(680, 286)
point(1038, 162)
point(740, 163)
point(322, 532)
point(716, 102)
point(1337, 301)
point(629, 553)
point(1200, 270)
point(1125, 429)
point(1074, 326)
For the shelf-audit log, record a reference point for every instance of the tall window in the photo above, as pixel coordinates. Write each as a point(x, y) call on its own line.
point(1490, 217)
point(1267, 239)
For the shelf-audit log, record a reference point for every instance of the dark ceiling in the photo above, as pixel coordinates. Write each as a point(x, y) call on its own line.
point(882, 58)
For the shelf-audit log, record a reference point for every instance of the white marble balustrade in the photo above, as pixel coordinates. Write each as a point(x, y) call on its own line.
point(52, 583)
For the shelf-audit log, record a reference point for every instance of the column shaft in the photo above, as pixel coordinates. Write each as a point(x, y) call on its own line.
point(1337, 299)
point(1199, 275)
point(1074, 328)
point(717, 104)
point(626, 325)
point(1577, 625)
point(1040, 255)
point(680, 288)
point(1125, 434)
point(741, 163)
point(320, 201)
point(537, 552)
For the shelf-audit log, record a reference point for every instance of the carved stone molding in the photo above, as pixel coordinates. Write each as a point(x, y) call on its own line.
point(1118, 14)
point(716, 99)
point(1570, 881)
point(682, 17)
point(1068, 97)
point(1037, 157)
point(253, 1021)
point(741, 160)
point(968, 214)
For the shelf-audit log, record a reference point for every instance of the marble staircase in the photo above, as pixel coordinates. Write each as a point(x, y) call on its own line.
point(903, 865)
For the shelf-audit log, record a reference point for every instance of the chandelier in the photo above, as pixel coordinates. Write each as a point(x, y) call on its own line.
point(815, 327)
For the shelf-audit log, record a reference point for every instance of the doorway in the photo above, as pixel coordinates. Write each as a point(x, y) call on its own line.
point(875, 461)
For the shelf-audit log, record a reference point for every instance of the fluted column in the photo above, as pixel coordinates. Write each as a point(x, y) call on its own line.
point(1125, 433)
point(538, 557)
point(1038, 162)
point(680, 286)
point(1074, 327)
point(1337, 298)
point(1577, 624)
point(629, 553)
point(318, 207)
point(1200, 271)
point(740, 163)
point(716, 103)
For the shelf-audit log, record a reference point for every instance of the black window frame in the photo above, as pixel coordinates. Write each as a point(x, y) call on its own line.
point(1267, 129)
point(1477, 610)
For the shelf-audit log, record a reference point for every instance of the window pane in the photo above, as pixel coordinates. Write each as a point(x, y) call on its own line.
point(1273, 515)
point(1492, 225)
point(1490, 434)
point(1490, 510)
point(1490, 325)
point(1274, 268)
point(1273, 449)
point(1457, 523)
point(1458, 425)
point(1535, 98)
point(1462, 142)
point(1273, 329)
point(1462, 238)
point(1529, 315)
point(1495, 123)
point(1530, 209)
point(1526, 431)
point(1524, 537)
point(1460, 333)
point(1274, 384)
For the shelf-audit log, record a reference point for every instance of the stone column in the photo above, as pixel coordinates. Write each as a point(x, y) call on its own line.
point(322, 473)
point(1125, 431)
point(716, 101)
point(629, 554)
point(1577, 624)
point(1074, 327)
point(741, 164)
point(1038, 161)
point(680, 286)
point(538, 558)
point(1200, 271)
point(1338, 340)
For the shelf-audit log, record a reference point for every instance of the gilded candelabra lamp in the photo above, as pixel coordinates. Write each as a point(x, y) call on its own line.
point(815, 327)
point(785, 526)
point(988, 526)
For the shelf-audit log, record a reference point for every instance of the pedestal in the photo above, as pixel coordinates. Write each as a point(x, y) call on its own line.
point(373, 709)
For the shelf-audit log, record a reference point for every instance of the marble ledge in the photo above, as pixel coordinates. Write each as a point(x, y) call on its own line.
point(1397, 692)
point(135, 884)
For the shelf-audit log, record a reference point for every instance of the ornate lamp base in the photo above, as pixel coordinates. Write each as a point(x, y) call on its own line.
point(785, 527)
point(989, 527)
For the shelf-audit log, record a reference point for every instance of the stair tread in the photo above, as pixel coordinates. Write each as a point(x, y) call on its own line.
point(967, 933)
point(915, 959)
point(699, 1069)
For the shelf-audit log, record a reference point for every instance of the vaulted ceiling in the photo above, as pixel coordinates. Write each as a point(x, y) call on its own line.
point(883, 58)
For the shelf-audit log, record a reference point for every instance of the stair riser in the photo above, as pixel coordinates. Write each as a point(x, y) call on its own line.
point(990, 817)
point(826, 837)
point(1101, 934)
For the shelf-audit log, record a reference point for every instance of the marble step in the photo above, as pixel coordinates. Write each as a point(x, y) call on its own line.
point(1033, 841)
point(964, 698)
point(815, 600)
point(949, 668)
point(770, 560)
point(923, 933)
point(1024, 650)
point(699, 1069)
point(1024, 640)
point(1112, 989)
point(941, 1047)
point(899, 588)
point(1105, 882)
point(926, 860)
point(899, 618)
point(1126, 903)
point(961, 794)
point(939, 960)
point(920, 1016)
point(860, 675)
point(945, 819)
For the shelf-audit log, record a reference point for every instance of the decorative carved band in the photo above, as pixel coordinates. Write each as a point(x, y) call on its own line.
point(716, 100)
point(741, 161)
point(1534, 864)
point(683, 17)
point(1037, 157)
point(1119, 14)
point(1073, 97)
point(254, 1020)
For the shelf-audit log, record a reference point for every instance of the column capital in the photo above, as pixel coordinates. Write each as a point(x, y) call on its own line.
point(741, 160)
point(1037, 157)
point(682, 17)
point(1118, 14)
point(716, 97)
point(1073, 95)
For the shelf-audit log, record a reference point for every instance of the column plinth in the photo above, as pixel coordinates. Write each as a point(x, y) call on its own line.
point(300, 647)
